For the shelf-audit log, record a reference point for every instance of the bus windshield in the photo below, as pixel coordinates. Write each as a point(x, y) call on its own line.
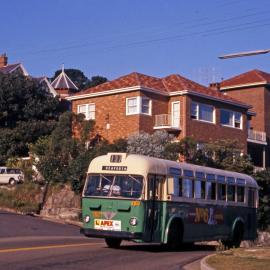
point(127, 186)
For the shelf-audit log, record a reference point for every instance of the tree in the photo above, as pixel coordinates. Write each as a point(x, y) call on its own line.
point(80, 80)
point(62, 158)
point(226, 154)
point(263, 180)
point(149, 145)
point(27, 112)
point(96, 80)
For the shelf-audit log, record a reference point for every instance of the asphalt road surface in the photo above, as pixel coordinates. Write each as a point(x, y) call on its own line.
point(30, 243)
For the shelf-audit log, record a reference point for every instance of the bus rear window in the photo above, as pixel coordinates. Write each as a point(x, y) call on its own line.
point(252, 197)
point(128, 186)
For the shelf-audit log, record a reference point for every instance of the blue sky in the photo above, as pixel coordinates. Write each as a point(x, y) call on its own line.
point(155, 37)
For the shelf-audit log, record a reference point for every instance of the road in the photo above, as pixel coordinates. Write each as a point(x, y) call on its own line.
point(28, 242)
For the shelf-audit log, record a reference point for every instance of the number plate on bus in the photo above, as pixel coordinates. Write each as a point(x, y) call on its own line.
point(108, 225)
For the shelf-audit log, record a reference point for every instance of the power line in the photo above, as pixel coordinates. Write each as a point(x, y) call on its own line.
point(86, 44)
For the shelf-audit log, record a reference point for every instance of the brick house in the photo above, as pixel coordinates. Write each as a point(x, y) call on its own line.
point(135, 102)
point(253, 87)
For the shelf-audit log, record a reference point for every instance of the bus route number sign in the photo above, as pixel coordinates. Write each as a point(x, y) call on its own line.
point(114, 168)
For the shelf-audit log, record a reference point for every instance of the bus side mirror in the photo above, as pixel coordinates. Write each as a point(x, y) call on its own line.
point(170, 186)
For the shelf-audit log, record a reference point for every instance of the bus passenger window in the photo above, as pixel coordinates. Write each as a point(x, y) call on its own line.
point(240, 194)
point(210, 190)
point(231, 193)
point(222, 192)
point(199, 189)
point(180, 182)
point(187, 188)
point(177, 186)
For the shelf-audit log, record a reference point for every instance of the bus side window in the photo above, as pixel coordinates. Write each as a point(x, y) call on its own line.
point(199, 189)
point(180, 190)
point(240, 194)
point(222, 192)
point(175, 185)
point(210, 190)
point(187, 187)
point(231, 193)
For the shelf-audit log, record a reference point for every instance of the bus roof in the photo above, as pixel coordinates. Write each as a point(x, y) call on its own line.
point(124, 163)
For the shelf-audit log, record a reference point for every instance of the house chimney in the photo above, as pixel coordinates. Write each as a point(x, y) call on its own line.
point(215, 86)
point(3, 60)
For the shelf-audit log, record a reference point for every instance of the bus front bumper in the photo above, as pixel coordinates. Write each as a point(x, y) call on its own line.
point(113, 234)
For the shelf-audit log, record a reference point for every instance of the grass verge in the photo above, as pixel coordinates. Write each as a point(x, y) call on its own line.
point(24, 198)
point(248, 259)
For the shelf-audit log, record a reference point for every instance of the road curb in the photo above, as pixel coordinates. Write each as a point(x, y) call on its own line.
point(204, 265)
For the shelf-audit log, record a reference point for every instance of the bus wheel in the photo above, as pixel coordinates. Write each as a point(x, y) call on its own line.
point(113, 242)
point(175, 236)
point(237, 237)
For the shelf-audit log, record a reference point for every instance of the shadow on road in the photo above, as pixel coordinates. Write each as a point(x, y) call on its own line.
point(160, 248)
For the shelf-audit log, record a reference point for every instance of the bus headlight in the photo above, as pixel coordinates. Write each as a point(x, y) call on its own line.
point(133, 221)
point(86, 219)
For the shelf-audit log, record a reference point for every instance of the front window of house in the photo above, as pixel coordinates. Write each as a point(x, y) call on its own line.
point(231, 118)
point(145, 105)
point(88, 110)
point(202, 112)
point(132, 105)
point(138, 105)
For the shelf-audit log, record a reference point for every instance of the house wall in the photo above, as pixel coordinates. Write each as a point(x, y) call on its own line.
point(111, 120)
point(111, 110)
point(207, 132)
point(255, 96)
point(259, 98)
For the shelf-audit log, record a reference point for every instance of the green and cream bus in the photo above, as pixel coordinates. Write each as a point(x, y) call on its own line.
point(145, 199)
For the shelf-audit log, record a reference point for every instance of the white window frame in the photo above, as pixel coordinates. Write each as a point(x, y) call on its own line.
point(138, 110)
point(87, 113)
point(196, 116)
point(175, 121)
point(233, 119)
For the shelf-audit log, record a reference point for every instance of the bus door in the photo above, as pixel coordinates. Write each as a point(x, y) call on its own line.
point(154, 207)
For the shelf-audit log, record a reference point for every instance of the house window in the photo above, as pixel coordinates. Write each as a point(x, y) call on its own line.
point(202, 112)
point(145, 105)
point(88, 110)
point(231, 118)
point(138, 105)
point(132, 105)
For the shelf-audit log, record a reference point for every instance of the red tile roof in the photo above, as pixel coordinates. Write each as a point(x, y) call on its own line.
point(171, 83)
point(250, 77)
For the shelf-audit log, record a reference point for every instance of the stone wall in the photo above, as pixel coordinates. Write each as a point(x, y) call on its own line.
point(62, 203)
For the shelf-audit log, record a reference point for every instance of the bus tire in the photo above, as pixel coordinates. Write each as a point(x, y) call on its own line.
point(175, 236)
point(113, 242)
point(237, 236)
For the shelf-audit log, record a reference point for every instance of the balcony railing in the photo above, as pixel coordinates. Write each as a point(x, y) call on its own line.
point(165, 121)
point(255, 135)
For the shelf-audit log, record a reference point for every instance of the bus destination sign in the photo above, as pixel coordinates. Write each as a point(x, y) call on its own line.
point(114, 168)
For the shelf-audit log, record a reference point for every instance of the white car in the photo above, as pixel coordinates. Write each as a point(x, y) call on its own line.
point(11, 176)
